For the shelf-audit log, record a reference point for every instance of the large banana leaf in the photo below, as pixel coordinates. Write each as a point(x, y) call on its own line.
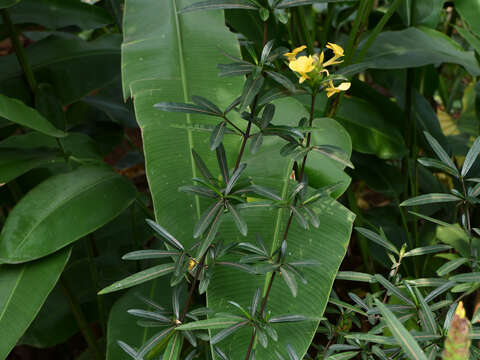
point(173, 57)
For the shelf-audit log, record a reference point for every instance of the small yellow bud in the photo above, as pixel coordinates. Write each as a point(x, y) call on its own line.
point(191, 264)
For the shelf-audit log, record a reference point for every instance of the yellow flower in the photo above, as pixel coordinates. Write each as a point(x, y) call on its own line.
point(303, 65)
point(332, 90)
point(337, 49)
point(337, 53)
point(191, 264)
point(292, 55)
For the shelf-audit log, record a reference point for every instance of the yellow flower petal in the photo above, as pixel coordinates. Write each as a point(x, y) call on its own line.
point(344, 86)
point(460, 311)
point(292, 55)
point(303, 64)
point(337, 49)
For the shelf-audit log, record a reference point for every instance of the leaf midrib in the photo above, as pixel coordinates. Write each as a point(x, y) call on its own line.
point(50, 210)
point(20, 276)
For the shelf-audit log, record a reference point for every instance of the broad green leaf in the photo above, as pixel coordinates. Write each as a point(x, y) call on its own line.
point(42, 222)
point(62, 62)
point(413, 47)
point(169, 149)
point(55, 14)
point(429, 199)
point(471, 156)
point(7, 3)
point(19, 113)
point(122, 326)
point(456, 236)
point(468, 10)
point(139, 278)
point(401, 334)
point(23, 291)
point(473, 40)
point(371, 133)
point(15, 162)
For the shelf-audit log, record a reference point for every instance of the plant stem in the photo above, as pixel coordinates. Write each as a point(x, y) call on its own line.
point(192, 288)
point(287, 228)
point(81, 320)
point(19, 51)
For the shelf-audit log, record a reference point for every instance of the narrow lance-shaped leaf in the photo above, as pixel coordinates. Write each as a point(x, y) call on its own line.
point(239, 221)
point(438, 165)
point(165, 234)
point(427, 250)
point(235, 176)
point(437, 148)
point(149, 254)
point(217, 135)
point(377, 239)
point(222, 163)
point(427, 313)
point(206, 218)
point(401, 334)
point(250, 90)
point(219, 5)
point(266, 51)
point(451, 266)
point(471, 156)
point(210, 324)
point(203, 168)
point(199, 100)
point(140, 277)
point(282, 80)
point(393, 289)
point(430, 199)
point(174, 347)
point(227, 332)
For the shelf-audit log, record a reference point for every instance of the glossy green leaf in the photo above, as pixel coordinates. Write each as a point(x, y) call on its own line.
point(471, 157)
point(413, 47)
point(213, 323)
point(451, 266)
point(292, 3)
point(23, 291)
point(401, 334)
point(429, 199)
point(15, 162)
point(430, 249)
point(174, 347)
point(19, 113)
point(437, 164)
point(41, 223)
point(393, 290)
point(62, 62)
point(139, 278)
point(56, 14)
point(371, 133)
point(380, 240)
point(468, 10)
point(439, 151)
point(472, 277)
